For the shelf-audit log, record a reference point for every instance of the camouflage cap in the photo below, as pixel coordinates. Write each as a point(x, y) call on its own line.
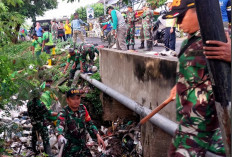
point(73, 92)
point(179, 7)
point(129, 6)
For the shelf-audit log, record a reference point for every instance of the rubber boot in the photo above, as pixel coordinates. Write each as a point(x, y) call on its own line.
point(128, 47)
point(142, 45)
point(149, 46)
point(74, 46)
point(133, 47)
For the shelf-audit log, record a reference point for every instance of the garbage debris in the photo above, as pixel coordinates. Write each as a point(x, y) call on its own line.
point(120, 137)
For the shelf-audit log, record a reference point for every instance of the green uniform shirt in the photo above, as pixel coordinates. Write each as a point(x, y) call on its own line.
point(45, 36)
point(37, 44)
point(74, 58)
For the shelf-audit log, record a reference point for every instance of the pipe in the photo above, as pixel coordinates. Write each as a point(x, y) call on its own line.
point(159, 120)
point(162, 122)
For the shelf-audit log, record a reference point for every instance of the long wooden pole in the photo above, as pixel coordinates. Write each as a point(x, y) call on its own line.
point(211, 25)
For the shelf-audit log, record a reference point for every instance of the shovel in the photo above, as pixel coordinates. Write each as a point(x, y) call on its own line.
point(161, 106)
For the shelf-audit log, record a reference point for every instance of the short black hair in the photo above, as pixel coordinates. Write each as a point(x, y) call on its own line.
point(75, 14)
point(35, 34)
point(46, 28)
point(110, 7)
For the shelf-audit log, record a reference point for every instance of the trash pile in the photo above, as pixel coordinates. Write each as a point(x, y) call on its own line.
point(121, 139)
point(17, 133)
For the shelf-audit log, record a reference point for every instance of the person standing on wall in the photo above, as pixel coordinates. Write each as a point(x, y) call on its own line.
point(119, 25)
point(76, 27)
point(130, 20)
point(147, 18)
point(170, 33)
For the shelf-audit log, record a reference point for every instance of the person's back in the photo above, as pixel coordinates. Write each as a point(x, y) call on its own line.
point(47, 37)
point(36, 111)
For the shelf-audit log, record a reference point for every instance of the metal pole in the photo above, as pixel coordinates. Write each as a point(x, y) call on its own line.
point(162, 122)
point(219, 71)
point(159, 120)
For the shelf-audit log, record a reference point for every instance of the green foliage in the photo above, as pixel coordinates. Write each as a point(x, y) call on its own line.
point(18, 72)
point(98, 11)
point(14, 12)
point(156, 3)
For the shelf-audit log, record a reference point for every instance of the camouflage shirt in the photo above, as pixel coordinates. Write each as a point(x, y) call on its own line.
point(195, 102)
point(73, 125)
point(87, 49)
point(38, 112)
point(130, 19)
point(74, 58)
point(147, 18)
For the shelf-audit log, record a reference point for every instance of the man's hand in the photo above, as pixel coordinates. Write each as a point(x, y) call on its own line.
point(222, 52)
point(171, 30)
point(101, 142)
point(54, 113)
point(74, 66)
point(64, 71)
point(61, 140)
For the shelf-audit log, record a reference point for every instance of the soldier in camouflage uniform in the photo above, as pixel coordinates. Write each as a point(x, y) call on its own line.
point(147, 18)
point(54, 30)
point(84, 50)
point(198, 130)
point(38, 113)
point(130, 20)
point(73, 122)
point(141, 37)
point(74, 57)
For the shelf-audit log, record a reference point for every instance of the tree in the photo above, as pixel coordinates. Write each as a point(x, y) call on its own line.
point(156, 3)
point(13, 13)
point(98, 11)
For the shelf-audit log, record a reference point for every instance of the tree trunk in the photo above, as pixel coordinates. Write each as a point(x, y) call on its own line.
point(14, 37)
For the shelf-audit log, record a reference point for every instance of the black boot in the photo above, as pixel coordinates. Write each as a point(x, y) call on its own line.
point(74, 46)
point(133, 47)
point(128, 47)
point(149, 46)
point(142, 45)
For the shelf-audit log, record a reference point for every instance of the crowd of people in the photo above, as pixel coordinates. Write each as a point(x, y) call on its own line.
point(198, 130)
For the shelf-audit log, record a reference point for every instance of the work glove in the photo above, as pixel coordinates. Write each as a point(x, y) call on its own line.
point(61, 141)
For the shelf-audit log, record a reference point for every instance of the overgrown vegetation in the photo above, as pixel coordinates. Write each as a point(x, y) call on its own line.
point(18, 72)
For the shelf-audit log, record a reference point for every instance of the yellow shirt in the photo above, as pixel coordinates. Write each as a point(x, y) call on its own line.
point(169, 22)
point(67, 28)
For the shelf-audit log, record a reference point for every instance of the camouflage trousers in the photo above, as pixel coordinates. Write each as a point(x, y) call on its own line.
point(147, 32)
point(192, 145)
point(76, 150)
point(73, 71)
point(37, 130)
point(130, 38)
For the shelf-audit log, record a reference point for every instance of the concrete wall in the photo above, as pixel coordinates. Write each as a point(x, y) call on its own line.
point(147, 80)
